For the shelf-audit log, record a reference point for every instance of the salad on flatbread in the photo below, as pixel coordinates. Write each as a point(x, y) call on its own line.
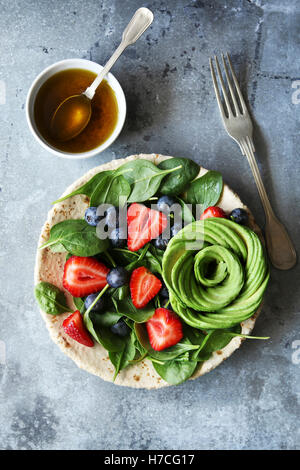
point(150, 271)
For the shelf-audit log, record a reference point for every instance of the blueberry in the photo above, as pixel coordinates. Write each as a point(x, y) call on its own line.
point(91, 216)
point(117, 277)
point(112, 217)
point(90, 299)
point(165, 202)
point(120, 328)
point(164, 292)
point(175, 229)
point(118, 237)
point(160, 243)
point(240, 216)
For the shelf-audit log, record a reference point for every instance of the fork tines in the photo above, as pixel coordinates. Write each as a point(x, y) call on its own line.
point(227, 111)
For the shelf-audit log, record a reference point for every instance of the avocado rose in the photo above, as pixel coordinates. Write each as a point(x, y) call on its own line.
point(216, 272)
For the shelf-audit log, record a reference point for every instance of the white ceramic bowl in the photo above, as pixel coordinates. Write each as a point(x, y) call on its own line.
point(74, 64)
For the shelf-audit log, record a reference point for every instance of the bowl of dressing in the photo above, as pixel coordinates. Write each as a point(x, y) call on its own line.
point(70, 77)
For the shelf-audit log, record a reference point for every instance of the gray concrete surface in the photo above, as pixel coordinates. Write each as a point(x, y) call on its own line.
point(252, 400)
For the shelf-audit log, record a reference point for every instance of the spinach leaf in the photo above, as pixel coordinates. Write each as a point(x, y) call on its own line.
point(124, 256)
point(77, 237)
point(139, 347)
point(183, 357)
point(187, 214)
point(205, 190)
point(112, 189)
point(138, 261)
point(121, 293)
point(152, 262)
point(59, 248)
point(132, 259)
point(50, 298)
point(193, 334)
point(167, 354)
point(87, 188)
point(213, 341)
point(148, 256)
point(175, 183)
point(121, 359)
point(157, 253)
point(175, 372)
point(205, 341)
point(99, 326)
point(144, 177)
point(79, 303)
point(126, 308)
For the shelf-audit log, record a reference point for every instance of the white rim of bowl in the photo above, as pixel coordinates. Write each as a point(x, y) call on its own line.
point(113, 82)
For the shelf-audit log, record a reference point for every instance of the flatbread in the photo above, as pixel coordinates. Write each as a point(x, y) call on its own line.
point(49, 267)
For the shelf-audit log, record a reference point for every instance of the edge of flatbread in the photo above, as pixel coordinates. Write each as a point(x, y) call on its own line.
point(49, 267)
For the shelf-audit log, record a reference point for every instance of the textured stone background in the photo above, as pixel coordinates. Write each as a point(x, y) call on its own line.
point(252, 400)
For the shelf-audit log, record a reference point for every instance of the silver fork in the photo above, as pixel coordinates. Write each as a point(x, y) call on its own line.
point(238, 125)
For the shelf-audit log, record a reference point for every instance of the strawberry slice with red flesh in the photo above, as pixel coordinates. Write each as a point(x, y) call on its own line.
point(144, 224)
point(143, 286)
point(74, 327)
point(164, 329)
point(84, 275)
point(213, 211)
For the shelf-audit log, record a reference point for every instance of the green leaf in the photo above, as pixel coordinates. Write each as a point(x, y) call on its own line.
point(59, 248)
point(205, 190)
point(187, 214)
point(139, 347)
point(50, 299)
point(148, 256)
point(124, 256)
point(134, 259)
point(167, 354)
point(194, 335)
point(152, 262)
point(175, 183)
point(87, 188)
point(121, 293)
point(144, 178)
point(99, 324)
point(109, 191)
point(175, 372)
point(158, 254)
point(126, 308)
point(121, 359)
point(79, 303)
point(213, 341)
point(77, 237)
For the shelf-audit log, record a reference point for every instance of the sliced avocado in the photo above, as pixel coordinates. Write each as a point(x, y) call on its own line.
point(216, 272)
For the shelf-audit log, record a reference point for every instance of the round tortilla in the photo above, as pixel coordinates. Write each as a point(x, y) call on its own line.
point(49, 267)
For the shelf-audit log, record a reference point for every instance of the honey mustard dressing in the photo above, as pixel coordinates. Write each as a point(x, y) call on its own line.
point(72, 82)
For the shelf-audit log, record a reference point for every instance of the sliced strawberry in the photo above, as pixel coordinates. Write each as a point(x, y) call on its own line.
point(74, 327)
point(213, 211)
point(144, 224)
point(143, 286)
point(164, 329)
point(84, 275)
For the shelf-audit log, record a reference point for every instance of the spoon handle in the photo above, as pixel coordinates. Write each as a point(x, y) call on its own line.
point(138, 24)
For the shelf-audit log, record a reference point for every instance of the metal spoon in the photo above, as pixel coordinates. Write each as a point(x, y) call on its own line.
point(74, 113)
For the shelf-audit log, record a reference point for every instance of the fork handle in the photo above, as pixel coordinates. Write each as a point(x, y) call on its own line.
point(280, 247)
